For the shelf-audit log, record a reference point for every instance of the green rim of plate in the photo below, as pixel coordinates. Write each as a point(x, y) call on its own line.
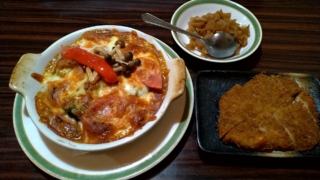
point(57, 172)
point(254, 21)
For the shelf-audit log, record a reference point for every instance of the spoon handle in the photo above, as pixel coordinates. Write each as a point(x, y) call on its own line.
point(148, 18)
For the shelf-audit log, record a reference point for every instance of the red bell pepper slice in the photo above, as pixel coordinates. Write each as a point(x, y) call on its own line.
point(92, 61)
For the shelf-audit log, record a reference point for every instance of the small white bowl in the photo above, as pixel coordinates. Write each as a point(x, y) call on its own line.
point(22, 82)
point(242, 15)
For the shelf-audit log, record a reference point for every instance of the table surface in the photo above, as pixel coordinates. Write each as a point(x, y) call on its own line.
point(291, 43)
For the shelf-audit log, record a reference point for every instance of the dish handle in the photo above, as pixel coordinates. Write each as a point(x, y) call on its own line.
point(22, 71)
point(179, 75)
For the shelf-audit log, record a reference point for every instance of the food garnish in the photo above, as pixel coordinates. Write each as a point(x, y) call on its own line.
point(91, 60)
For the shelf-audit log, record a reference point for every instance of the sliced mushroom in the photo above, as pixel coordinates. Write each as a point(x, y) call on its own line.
point(128, 56)
point(127, 73)
point(110, 60)
point(119, 53)
point(131, 65)
point(93, 76)
point(137, 62)
point(117, 69)
point(100, 51)
point(112, 52)
point(121, 43)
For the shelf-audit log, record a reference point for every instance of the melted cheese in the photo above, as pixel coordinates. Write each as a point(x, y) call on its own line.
point(105, 112)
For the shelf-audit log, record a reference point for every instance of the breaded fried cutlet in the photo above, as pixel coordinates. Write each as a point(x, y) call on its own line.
point(268, 113)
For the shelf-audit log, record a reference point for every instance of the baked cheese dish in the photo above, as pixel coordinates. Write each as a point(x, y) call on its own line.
point(103, 87)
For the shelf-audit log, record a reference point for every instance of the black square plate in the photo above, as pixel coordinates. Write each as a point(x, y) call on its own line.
point(210, 85)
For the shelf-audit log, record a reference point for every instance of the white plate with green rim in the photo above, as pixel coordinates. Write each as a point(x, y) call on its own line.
point(242, 15)
point(121, 162)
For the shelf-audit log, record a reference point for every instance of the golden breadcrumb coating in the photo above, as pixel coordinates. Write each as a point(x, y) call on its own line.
point(268, 113)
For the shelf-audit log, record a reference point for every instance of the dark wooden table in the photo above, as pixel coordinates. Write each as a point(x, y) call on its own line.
point(291, 43)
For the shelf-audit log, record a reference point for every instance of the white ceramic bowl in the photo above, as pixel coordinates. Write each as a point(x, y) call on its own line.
point(242, 15)
point(22, 82)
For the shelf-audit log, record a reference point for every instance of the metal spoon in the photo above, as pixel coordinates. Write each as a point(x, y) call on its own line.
point(219, 45)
